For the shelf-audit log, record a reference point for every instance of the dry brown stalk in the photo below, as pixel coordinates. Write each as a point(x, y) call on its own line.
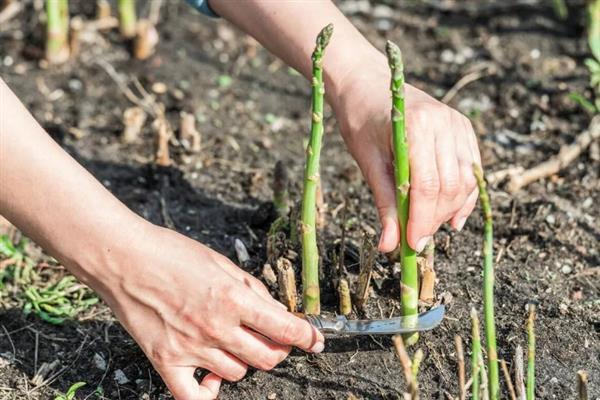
point(565, 156)
point(460, 357)
point(287, 283)
point(582, 380)
point(508, 379)
point(146, 39)
point(485, 389)
point(344, 295)
point(427, 272)
point(406, 363)
point(269, 275)
point(188, 134)
point(133, 120)
point(519, 374)
point(477, 72)
point(9, 10)
point(368, 252)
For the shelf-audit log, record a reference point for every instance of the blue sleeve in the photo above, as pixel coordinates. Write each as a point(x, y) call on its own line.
point(203, 7)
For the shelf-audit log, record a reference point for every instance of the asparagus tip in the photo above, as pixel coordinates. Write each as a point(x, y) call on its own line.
point(394, 54)
point(325, 36)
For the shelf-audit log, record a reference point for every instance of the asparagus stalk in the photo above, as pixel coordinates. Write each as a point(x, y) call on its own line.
point(531, 353)
point(488, 284)
point(408, 258)
point(582, 381)
point(475, 353)
point(57, 30)
point(127, 18)
point(310, 251)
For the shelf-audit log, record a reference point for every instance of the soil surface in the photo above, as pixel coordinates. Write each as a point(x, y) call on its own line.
point(252, 111)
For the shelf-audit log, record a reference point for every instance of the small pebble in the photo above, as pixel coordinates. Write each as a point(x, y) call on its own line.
point(535, 54)
point(566, 269)
point(99, 362)
point(587, 203)
point(8, 61)
point(75, 85)
point(120, 377)
point(272, 396)
point(447, 56)
point(159, 88)
point(551, 219)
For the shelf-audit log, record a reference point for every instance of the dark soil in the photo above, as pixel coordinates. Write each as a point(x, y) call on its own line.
point(546, 236)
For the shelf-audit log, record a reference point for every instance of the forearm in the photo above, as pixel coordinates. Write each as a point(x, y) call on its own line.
point(57, 202)
point(288, 29)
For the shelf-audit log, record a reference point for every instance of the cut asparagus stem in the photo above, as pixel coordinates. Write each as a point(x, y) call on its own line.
point(57, 31)
point(287, 283)
point(310, 251)
point(488, 284)
point(519, 384)
point(408, 258)
point(127, 18)
point(475, 353)
point(531, 353)
point(582, 380)
point(344, 294)
point(427, 271)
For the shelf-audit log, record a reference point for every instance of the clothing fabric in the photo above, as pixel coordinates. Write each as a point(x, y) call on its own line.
point(203, 7)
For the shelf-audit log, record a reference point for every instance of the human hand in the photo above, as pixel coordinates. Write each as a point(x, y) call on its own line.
point(189, 307)
point(442, 150)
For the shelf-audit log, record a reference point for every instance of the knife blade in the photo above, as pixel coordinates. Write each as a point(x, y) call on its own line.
point(341, 326)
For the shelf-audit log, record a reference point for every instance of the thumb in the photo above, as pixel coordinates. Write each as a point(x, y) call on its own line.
point(184, 386)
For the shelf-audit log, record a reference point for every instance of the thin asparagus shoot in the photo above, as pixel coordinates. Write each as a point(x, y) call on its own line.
point(475, 353)
point(127, 18)
point(531, 353)
point(460, 356)
point(488, 284)
point(408, 257)
point(310, 251)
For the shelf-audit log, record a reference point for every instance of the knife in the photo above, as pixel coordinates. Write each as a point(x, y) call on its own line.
point(341, 326)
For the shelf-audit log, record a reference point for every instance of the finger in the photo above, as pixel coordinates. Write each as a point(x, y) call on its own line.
point(459, 220)
point(256, 350)
point(223, 364)
point(380, 177)
point(282, 327)
point(184, 386)
point(424, 191)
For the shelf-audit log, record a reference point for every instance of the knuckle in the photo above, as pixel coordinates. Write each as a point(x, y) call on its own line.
point(450, 185)
point(289, 334)
point(428, 185)
point(269, 362)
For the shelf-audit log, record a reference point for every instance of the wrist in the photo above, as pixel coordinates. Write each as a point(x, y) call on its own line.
point(105, 258)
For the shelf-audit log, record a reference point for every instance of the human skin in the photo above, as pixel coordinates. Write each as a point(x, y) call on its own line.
point(186, 305)
point(442, 144)
point(211, 314)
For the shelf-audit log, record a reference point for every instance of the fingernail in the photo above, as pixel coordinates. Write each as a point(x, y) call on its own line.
point(380, 241)
point(461, 223)
point(318, 347)
point(422, 243)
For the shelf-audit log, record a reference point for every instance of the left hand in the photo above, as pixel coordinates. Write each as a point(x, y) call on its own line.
point(442, 150)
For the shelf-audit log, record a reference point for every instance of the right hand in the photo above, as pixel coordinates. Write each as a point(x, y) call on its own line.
point(189, 307)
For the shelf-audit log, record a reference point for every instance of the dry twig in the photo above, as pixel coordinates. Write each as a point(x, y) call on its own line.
point(519, 374)
point(188, 134)
point(477, 72)
point(287, 283)
point(407, 367)
point(565, 156)
point(509, 383)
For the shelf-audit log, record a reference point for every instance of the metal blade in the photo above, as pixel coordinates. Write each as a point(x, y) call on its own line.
point(342, 326)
